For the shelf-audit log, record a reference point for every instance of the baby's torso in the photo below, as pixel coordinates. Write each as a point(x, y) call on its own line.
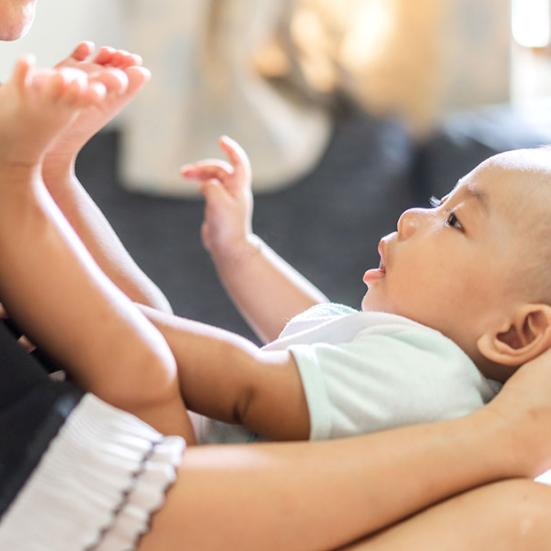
point(368, 371)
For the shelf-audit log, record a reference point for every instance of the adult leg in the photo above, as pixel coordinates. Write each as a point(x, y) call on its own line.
point(512, 515)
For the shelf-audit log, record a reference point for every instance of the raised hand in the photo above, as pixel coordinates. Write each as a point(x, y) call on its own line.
point(226, 187)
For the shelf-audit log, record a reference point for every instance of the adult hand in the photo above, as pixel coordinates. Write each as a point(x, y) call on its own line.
point(524, 405)
point(121, 73)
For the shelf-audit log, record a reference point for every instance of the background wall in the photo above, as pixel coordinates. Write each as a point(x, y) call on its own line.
point(60, 24)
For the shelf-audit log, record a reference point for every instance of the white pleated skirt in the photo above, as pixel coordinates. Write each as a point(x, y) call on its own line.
point(96, 487)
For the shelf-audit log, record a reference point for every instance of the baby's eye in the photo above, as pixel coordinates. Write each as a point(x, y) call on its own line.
point(454, 222)
point(452, 219)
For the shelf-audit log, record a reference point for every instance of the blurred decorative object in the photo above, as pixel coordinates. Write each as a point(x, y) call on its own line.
point(417, 59)
point(205, 84)
point(266, 72)
point(531, 55)
point(530, 23)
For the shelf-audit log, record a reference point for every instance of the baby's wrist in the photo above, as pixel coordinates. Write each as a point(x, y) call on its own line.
point(238, 251)
point(58, 167)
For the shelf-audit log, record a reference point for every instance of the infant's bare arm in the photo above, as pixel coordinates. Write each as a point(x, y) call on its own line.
point(228, 378)
point(266, 290)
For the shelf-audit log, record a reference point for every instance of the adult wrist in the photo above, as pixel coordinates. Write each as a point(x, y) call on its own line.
point(509, 443)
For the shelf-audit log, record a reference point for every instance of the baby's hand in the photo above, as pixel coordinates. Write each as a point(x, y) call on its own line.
point(229, 201)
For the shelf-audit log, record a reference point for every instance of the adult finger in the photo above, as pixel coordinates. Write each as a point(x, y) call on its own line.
point(114, 80)
point(83, 50)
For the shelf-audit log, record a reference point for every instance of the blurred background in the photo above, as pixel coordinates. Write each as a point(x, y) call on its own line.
point(351, 111)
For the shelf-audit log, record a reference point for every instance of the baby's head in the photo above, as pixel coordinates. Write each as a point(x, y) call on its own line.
point(476, 266)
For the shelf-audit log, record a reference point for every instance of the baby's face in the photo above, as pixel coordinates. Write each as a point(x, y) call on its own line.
point(16, 17)
point(454, 267)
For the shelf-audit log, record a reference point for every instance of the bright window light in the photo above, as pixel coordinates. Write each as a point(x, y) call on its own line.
point(531, 20)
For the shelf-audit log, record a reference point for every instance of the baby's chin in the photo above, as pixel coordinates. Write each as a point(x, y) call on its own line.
point(370, 303)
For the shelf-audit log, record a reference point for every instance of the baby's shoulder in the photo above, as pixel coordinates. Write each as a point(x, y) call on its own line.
point(324, 311)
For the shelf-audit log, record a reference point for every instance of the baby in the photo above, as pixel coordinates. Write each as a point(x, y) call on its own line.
point(439, 323)
point(459, 301)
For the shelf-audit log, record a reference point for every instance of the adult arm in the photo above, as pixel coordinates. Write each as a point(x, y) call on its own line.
point(326, 494)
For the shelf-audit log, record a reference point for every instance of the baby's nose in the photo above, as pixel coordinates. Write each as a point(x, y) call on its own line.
point(409, 222)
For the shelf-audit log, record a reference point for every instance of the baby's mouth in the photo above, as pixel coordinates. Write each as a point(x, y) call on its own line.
point(373, 275)
point(381, 252)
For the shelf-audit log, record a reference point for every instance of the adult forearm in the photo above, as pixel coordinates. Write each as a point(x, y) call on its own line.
point(321, 495)
point(99, 237)
point(266, 290)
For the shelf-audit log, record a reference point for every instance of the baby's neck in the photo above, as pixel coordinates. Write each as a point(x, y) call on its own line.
point(492, 370)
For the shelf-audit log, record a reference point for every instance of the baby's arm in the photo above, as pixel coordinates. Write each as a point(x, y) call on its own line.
point(48, 281)
point(266, 290)
point(228, 378)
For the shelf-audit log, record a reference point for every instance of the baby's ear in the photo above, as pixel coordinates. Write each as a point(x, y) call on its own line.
point(523, 337)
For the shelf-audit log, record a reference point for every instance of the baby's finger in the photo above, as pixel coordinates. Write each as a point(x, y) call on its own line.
point(205, 174)
point(3, 313)
point(208, 169)
point(214, 193)
point(237, 156)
